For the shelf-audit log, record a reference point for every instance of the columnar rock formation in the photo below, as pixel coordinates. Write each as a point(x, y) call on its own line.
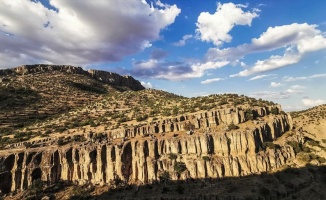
point(200, 120)
point(142, 160)
point(103, 76)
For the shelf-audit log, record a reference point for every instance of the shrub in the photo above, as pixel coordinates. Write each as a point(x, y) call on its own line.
point(164, 177)
point(271, 145)
point(206, 158)
point(60, 142)
point(296, 146)
point(249, 115)
point(172, 156)
point(274, 111)
point(321, 159)
point(179, 167)
point(232, 127)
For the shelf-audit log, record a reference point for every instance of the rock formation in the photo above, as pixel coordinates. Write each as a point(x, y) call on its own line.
point(143, 155)
point(103, 76)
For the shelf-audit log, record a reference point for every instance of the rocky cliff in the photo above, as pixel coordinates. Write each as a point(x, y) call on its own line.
point(103, 76)
point(141, 158)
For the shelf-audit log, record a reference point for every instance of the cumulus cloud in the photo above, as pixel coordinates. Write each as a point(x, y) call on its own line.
point(272, 63)
point(146, 85)
point(216, 27)
point(79, 32)
point(211, 80)
point(296, 39)
point(275, 84)
point(300, 78)
point(312, 102)
point(182, 42)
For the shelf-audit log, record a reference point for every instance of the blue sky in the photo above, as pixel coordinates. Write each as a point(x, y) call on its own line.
point(269, 49)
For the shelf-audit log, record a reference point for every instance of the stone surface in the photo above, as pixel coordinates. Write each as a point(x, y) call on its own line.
point(103, 76)
point(232, 153)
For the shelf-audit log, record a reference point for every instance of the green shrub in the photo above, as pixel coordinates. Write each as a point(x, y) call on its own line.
point(249, 115)
point(232, 127)
point(271, 145)
point(60, 142)
point(179, 167)
point(173, 156)
point(321, 159)
point(206, 158)
point(274, 111)
point(164, 177)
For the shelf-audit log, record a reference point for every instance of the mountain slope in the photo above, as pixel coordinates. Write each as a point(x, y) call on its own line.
point(35, 92)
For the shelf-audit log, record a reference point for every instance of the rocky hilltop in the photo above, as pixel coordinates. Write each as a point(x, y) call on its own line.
point(89, 135)
point(35, 92)
point(105, 77)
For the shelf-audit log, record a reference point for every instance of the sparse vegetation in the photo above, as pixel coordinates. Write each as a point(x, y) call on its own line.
point(179, 167)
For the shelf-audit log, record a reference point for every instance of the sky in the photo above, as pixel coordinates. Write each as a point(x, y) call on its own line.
point(269, 49)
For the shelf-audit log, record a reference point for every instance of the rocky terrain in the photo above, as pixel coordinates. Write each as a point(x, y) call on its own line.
point(126, 142)
point(36, 92)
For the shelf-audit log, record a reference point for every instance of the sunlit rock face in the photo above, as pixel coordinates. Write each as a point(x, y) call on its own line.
point(145, 153)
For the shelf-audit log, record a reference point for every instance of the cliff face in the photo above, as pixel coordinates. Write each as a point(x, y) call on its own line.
point(116, 79)
point(103, 76)
point(142, 160)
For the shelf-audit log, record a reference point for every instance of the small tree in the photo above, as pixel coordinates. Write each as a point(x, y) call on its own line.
point(249, 114)
point(179, 167)
point(274, 111)
point(232, 126)
point(206, 158)
point(164, 177)
point(172, 156)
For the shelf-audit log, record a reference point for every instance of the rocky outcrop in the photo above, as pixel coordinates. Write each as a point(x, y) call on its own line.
point(116, 79)
point(200, 120)
point(227, 153)
point(103, 76)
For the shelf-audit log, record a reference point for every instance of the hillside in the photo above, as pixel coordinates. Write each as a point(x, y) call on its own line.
point(35, 92)
point(69, 134)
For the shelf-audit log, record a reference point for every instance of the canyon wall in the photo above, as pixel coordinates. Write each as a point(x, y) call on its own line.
point(230, 153)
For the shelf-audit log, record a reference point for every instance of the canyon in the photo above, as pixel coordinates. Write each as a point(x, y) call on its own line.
point(140, 157)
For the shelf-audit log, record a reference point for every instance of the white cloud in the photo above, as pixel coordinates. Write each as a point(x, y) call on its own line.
point(211, 80)
point(274, 62)
point(312, 102)
point(296, 39)
point(276, 95)
point(262, 76)
point(290, 78)
point(275, 84)
point(297, 87)
point(272, 95)
point(216, 27)
point(147, 85)
point(242, 64)
point(182, 42)
point(79, 32)
point(176, 71)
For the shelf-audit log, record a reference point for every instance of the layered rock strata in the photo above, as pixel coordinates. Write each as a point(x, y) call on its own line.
point(142, 160)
